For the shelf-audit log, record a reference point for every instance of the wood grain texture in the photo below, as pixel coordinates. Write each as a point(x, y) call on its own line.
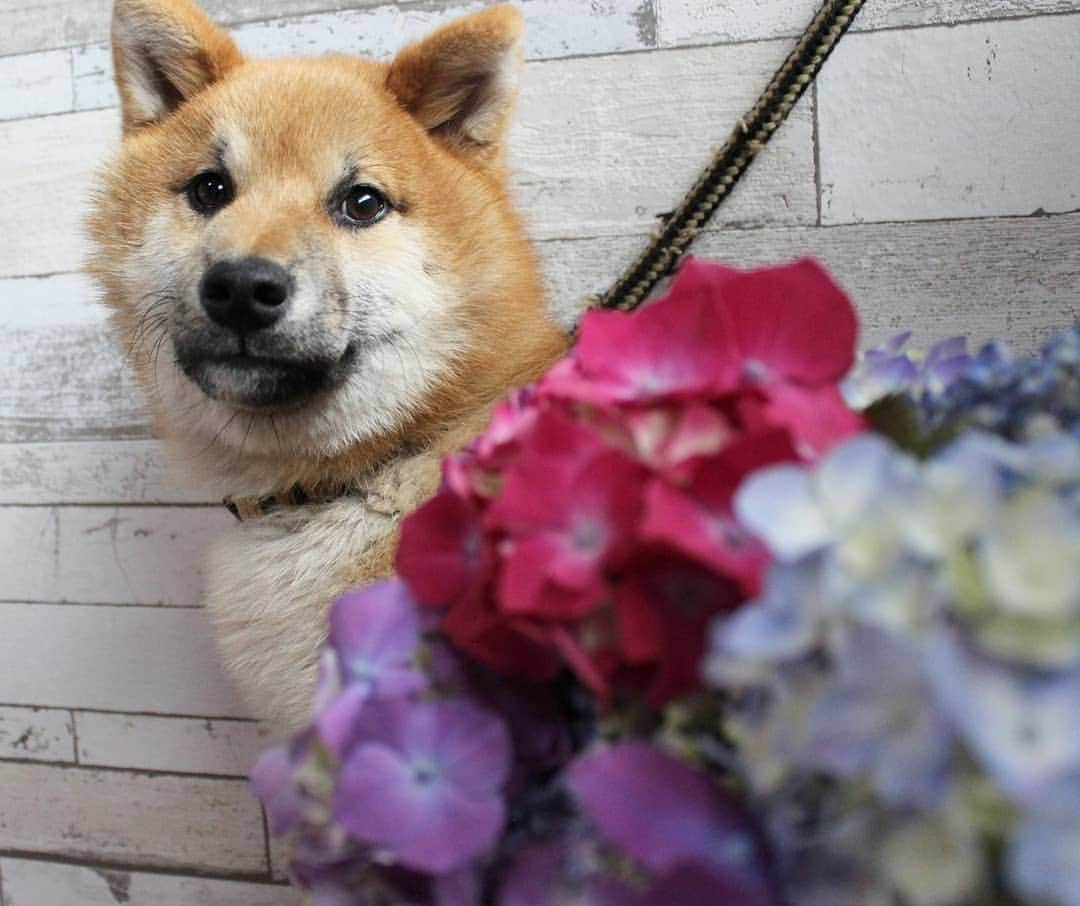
point(172, 744)
point(105, 472)
point(34, 25)
point(1011, 278)
point(106, 555)
point(36, 734)
point(951, 122)
point(33, 883)
point(132, 659)
point(721, 21)
point(132, 819)
point(81, 78)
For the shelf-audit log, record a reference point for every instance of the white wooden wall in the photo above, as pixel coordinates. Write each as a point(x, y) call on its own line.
point(935, 169)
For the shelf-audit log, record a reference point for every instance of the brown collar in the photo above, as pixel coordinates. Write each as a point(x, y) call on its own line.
point(247, 508)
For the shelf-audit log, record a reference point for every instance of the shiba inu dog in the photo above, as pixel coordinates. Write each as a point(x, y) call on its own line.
point(322, 285)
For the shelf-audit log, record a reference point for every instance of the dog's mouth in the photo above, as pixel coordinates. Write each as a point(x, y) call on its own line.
point(259, 382)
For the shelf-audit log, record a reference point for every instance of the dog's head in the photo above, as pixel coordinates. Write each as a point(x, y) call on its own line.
point(304, 256)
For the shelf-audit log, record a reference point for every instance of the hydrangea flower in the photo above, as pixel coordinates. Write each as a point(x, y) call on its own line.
point(913, 662)
point(423, 782)
point(638, 441)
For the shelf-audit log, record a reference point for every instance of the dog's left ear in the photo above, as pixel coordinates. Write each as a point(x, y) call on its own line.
point(461, 81)
point(165, 52)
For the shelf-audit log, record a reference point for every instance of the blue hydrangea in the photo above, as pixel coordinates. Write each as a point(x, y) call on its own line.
point(904, 694)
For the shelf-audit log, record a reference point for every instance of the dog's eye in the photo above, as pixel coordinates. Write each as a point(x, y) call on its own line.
point(364, 205)
point(210, 192)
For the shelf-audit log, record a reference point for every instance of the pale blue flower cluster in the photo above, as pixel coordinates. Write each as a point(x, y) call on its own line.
point(906, 690)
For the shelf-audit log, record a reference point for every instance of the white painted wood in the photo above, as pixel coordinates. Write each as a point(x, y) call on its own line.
point(106, 472)
point(599, 147)
point(554, 28)
point(35, 84)
point(722, 21)
point(602, 145)
point(106, 555)
point(132, 659)
point(132, 819)
point(173, 744)
point(31, 25)
point(43, 301)
point(43, 194)
point(970, 121)
point(31, 883)
point(36, 734)
point(67, 382)
point(1015, 279)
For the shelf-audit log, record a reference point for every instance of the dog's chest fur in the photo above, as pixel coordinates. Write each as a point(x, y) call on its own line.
point(271, 580)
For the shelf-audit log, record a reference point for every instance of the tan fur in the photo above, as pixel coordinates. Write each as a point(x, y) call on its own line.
point(447, 285)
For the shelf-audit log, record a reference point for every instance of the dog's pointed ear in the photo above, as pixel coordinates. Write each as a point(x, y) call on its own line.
point(165, 51)
point(461, 81)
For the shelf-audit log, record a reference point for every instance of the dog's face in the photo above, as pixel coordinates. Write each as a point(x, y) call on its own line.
point(303, 255)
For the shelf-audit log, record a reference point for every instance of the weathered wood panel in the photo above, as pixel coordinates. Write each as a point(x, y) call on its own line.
point(132, 659)
point(172, 744)
point(36, 734)
point(721, 21)
point(1016, 279)
point(49, 162)
point(554, 28)
point(133, 819)
point(106, 555)
point(68, 299)
point(30, 25)
point(33, 883)
point(598, 148)
point(106, 472)
point(951, 122)
point(36, 84)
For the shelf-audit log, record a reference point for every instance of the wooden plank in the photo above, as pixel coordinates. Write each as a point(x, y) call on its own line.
point(57, 299)
point(34, 883)
point(173, 744)
point(134, 819)
point(86, 391)
point(35, 84)
point(554, 28)
point(604, 145)
point(105, 472)
point(1016, 279)
point(598, 148)
point(106, 555)
point(977, 109)
point(131, 659)
point(721, 21)
point(36, 734)
point(29, 25)
point(49, 164)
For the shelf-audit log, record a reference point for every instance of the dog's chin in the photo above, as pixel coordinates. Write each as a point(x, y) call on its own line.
point(263, 383)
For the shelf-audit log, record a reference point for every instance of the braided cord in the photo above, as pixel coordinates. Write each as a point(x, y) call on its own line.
point(750, 136)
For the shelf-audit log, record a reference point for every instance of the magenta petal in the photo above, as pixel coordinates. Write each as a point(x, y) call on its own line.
point(441, 551)
point(794, 320)
point(690, 819)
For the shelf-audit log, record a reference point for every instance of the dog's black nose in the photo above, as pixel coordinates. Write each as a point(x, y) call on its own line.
point(246, 294)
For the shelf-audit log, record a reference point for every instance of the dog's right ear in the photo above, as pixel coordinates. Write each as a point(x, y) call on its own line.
point(165, 51)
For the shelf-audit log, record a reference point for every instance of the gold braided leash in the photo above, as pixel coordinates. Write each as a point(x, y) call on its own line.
point(749, 137)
